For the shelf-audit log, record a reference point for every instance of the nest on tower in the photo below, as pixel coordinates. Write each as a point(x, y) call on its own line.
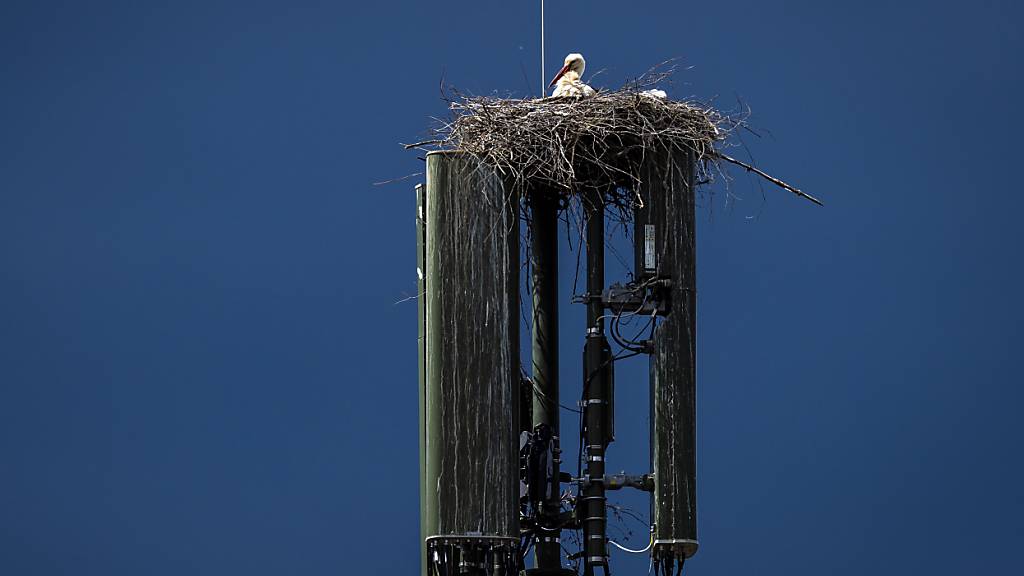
point(568, 143)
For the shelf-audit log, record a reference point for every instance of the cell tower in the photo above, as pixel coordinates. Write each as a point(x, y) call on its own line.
point(491, 481)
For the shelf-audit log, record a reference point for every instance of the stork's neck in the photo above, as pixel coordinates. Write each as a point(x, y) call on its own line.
point(570, 77)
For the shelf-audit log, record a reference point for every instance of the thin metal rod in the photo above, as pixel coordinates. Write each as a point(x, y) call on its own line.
point(543, 85)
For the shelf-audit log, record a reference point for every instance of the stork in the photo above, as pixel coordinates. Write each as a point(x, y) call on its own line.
point(567, 82)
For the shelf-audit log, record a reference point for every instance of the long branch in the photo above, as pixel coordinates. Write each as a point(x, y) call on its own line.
point(768, 177)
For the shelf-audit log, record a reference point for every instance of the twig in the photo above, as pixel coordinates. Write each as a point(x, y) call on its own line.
point(399, 179)
point(423, 143)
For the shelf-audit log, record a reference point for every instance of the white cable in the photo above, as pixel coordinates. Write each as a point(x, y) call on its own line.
point(624, 549)
point(543, 87)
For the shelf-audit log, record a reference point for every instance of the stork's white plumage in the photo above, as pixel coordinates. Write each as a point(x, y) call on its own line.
point(567, 82)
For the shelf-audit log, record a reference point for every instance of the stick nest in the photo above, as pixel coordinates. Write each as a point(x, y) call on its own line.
point(571, 142)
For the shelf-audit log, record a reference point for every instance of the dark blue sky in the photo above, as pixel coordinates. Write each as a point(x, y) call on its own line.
point(203, 369)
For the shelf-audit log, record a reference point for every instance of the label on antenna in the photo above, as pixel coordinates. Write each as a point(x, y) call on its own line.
point(649, 263)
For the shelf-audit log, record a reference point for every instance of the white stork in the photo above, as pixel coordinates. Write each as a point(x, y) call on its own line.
point(567, 82)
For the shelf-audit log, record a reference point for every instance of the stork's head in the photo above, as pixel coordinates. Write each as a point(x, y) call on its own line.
point(573, 63)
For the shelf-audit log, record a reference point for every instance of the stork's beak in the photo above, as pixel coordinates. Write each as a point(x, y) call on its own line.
point(559, 75)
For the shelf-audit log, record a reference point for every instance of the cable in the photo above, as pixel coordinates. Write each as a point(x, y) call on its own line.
point(548, 399)
point(630, 344)
point(525, 550)
point(631, 551)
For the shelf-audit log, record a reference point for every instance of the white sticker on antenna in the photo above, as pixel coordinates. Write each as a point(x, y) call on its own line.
point(649, 263)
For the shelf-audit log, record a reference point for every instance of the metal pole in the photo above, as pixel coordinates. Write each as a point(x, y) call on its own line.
point(596, 363)
point(544, 266)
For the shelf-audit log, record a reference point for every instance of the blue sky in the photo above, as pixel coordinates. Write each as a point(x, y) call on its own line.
point(203, 369)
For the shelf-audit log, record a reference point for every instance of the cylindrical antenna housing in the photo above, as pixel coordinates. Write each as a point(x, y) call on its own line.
point(665, 239)
point(471, 387)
